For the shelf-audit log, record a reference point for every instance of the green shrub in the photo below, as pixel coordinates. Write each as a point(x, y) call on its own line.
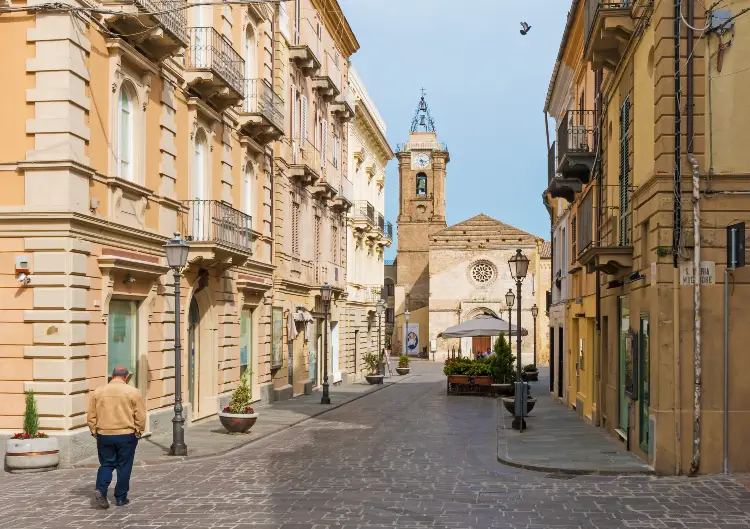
point(529, 367)
point(372, 363)
point(403, 361)
point(242, 398)
point(31, 416)
point(502, 362)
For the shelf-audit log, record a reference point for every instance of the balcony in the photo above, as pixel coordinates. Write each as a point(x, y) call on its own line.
point(608, 26)
point(363, 218)
point(214, 68)
point(558, 186)
point(217, 233)
point(158, 28)
point(613, 252)
point(305, 53)
point(576, 145)
point(331, 273)
point(306, 162)
point(387, 234)
point(343, 201)
point(343, 107)
point(262, 112)
point(324, 190)
point(328, 81)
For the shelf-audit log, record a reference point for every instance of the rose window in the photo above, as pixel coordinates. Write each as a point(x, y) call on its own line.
point(483, 272)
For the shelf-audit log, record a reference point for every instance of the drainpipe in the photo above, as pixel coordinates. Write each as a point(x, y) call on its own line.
point(676, 217)
point(695, 465)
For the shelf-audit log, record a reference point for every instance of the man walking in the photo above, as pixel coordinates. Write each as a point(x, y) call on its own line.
point(117, 418)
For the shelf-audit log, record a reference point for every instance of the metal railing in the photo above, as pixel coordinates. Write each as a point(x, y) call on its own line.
point(216, 222)
point(171, 15)
point(261, 99)
point(388, 230)
point(363, 210)
point(381, 223)
point(305, 153)
point(210, 50)
point(307, 35)
point(577, 133)
point(421, 146)
point(551, 163)
point(373, 293)
point(594, 7)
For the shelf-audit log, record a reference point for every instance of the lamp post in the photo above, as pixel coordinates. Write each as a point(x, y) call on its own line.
point(534, 314)
point(176, 251)
point(519, 265)
point(510, 297)
point(325, 296)
point(380, 309)
point(406, 331)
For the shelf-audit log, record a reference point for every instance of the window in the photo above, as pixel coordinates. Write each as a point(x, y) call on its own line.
point(324, 142)
point(251, 68)
point(303, 120)
point(573, 234)
point(125, 135)
point(335, 244)
point(295, 227)
point(317, 238)
point(564, 261)
point(389, 316)
point(122, 341)
point(201, 216)
point(389, 288)
point(247, 194)
point(624, 173)
point(284, 21)
point(335, 151)
point(421, 184)
point(483, 272)
point(246, 343)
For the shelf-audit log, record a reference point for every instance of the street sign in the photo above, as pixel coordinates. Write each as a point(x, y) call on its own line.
point(736, 246)
point(707, 273)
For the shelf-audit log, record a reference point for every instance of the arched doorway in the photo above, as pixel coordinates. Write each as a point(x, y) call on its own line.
point(201, 348)
point(193, 341)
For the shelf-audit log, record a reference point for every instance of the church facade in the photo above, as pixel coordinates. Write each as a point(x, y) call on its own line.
point(447, 275)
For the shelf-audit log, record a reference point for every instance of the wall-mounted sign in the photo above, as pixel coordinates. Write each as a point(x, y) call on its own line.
point(412, 338)
point(707, 274)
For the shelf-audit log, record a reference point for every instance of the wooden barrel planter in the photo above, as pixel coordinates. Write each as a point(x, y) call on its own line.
point(469, 385)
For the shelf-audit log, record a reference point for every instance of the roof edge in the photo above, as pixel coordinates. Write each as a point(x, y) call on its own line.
point(561, 51)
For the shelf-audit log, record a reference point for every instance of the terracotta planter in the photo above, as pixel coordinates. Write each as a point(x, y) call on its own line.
point(237, 422)
point(467, 379)
point(32, 455)
point(510, 404)
point(374, 379)
point(403, 370)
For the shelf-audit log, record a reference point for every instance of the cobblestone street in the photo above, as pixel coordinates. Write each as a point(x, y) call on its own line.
point(406, 456)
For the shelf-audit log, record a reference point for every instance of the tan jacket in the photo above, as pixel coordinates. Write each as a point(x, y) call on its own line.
point(117, 409)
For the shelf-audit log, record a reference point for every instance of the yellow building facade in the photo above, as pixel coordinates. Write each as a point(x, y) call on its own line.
point(227, 124)
point(653, 375)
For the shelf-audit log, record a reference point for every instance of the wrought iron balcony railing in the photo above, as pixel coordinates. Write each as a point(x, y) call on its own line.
point(381, 223)
point(305, 153)
point(577, 133)
point(171, 15)
point(551, 163)
point(388, 231)
point(595, 8)
point(261, 99)
point(365, 211)
point(212, 51)
point(212, 221)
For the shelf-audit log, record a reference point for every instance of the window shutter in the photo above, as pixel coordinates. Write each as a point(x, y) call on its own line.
point(624, 173)
point(573, 240)
point(303, 111)
point(324, 143)
point(294, 112)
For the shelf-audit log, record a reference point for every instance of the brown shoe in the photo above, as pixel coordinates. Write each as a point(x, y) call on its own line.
point(101, 500)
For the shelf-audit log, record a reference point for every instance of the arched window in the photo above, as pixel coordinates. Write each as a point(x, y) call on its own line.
point(421, 184)
point(125, 135)
point(201, 214)
point(250, 62)
point(247, 191)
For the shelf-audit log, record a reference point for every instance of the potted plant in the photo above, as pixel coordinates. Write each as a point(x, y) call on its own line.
point(530, 373)
point(239, 416)
point(403, 365)
point(372, 363)
point(31, 450)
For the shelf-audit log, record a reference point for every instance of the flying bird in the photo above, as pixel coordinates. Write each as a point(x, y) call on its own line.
point(525, 28)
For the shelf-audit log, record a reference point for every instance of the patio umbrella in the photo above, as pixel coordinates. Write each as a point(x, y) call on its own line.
point(482, 325)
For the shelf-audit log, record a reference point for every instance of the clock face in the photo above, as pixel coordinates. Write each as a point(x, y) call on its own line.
point(421, 161)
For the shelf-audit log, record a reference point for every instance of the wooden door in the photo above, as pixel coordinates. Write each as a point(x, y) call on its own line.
point(480, 344)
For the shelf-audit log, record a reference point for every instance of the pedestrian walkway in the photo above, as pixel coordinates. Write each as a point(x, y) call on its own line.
point(558, 440)
point(208, 438)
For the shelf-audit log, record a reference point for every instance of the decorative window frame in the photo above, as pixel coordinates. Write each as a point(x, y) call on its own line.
point(202, 118)
point(129, 69)
point(470, 272)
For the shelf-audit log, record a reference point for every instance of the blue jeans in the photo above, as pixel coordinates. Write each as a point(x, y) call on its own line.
point(115, 452)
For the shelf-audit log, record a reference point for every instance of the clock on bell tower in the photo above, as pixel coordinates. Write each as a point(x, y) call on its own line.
point(422, 165)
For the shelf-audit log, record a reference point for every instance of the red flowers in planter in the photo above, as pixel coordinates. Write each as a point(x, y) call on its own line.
point(24, 435)
point(246, 411)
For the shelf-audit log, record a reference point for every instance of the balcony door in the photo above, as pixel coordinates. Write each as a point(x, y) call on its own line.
point(201, 38)
point(247, 196)
point(624, 327)
point(200, 160)
point(251, 72)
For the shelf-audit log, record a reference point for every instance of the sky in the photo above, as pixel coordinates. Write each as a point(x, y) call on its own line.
point(486, 85)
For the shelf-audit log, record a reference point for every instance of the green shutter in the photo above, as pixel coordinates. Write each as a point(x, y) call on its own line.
point(624, 173)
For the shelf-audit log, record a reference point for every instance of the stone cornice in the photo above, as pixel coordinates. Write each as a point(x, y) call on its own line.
point(337, 25)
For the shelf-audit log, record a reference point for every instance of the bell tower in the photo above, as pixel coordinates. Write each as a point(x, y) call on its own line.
point(422, 165)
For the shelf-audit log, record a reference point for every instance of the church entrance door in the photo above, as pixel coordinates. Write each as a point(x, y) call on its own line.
point(480, 344)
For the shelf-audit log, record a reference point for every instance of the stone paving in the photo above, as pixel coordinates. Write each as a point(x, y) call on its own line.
point(588, 450)
point(209, 438)
point(406, 457)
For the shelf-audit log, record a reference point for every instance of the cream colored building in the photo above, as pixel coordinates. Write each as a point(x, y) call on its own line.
point(368, 232)
point(227, 124)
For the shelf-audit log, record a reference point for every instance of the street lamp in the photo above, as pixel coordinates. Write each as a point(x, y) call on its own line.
point(534, 314)
point(380, 309)
point(176, 251)
point(519, 265)
point(325, 296)
point(406, 331)
point(510, 297)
